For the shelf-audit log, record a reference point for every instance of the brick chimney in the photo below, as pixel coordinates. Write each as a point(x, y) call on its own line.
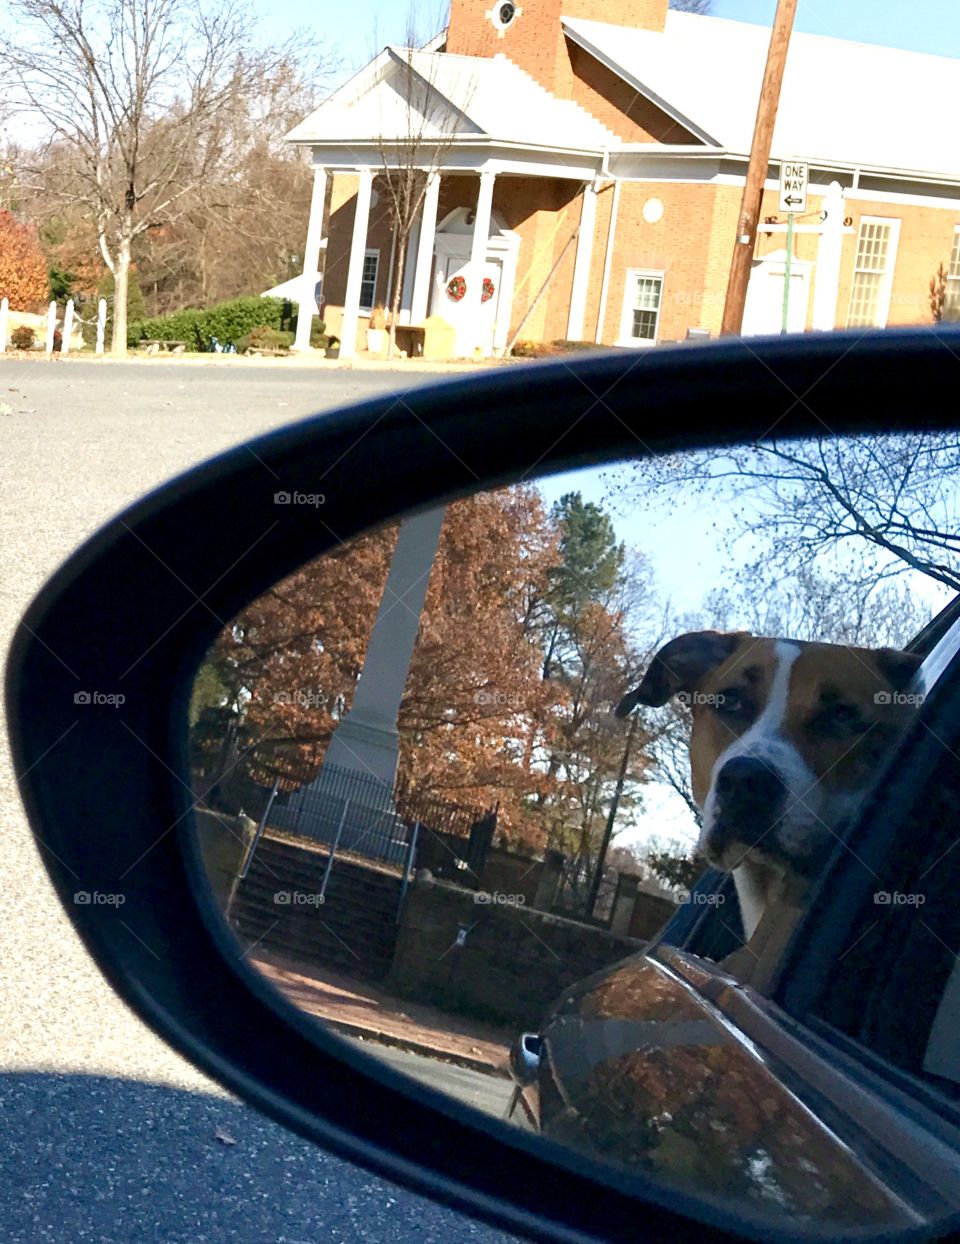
point(530, 34)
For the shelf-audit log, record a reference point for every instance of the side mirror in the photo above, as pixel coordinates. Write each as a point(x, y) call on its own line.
point(123, 732)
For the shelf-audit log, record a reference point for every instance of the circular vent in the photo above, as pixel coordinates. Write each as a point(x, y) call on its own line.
point(504, 15)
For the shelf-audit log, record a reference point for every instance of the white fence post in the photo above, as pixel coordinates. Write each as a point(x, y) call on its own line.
point(51, 325)
point(101, 323)
point(67, 326)
point(4, 313)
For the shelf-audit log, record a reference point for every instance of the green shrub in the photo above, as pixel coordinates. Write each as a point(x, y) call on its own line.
point(318, 330)
point(263, 337)
point(178, 326)
point(227, 321)
point(23, 338)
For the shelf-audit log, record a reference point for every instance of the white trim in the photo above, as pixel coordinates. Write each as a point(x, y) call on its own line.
point(624, 337)
point(358, 243)
point(608, 261)
point(886, 287)
point(423, 263)
point(306, 297)
point(954, 248)
point(581, 265)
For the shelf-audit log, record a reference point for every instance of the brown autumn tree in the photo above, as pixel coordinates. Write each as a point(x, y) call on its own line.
point(289, 664)
point(23, 269)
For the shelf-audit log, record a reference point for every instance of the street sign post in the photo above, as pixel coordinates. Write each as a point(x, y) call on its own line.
point(794, 177)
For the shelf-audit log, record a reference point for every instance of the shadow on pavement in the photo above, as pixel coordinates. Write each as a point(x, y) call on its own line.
point(91, 1159)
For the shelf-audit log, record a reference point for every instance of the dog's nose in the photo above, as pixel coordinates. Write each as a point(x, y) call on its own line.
point(749, 790)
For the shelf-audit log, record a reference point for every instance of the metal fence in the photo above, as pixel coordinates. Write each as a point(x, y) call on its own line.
point(356, 812)
point(574, 892)
point(347, 810)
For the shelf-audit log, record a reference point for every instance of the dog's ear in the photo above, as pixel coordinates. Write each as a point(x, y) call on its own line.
point(898, 667)
point(680, 665)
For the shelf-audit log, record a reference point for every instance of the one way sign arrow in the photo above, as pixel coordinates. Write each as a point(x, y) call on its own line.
point(793, 186)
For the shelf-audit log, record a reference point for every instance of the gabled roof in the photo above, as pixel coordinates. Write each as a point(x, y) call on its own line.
point(842, 102)
point(474, 98)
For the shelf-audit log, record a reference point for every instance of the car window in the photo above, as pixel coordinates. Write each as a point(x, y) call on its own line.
point(896, 984)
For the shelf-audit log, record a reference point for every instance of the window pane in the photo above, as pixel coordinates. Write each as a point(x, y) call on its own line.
point(864, 300)
point(955, 255)
point(368, 280)
point(645, 307)
point(645, 325)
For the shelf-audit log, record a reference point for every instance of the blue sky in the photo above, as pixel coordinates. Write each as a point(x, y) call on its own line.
point(928, 26)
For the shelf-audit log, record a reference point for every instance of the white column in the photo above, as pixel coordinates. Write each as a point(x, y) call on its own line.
point(478, 255)
point(581, 267)
point(101, 323)
point(351, 303)
point(829, 254)
point(4, 313)
point(428, 229)
point(51, 325)
point(409, 270)
point(608, 260)
point(367, 739)
point(311, 259)
point(67, 326)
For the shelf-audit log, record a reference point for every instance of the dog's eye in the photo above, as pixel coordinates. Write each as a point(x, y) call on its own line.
point(838, 719)
point(730, 702)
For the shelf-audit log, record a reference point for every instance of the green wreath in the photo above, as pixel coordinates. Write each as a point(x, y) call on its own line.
point(456, 288)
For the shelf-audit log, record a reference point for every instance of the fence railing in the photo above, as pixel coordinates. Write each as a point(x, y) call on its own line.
point(575, 890)
point(357, 812)
point(54, 325)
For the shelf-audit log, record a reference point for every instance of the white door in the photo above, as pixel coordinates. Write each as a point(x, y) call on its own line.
point(456, 312)
point(763, 313)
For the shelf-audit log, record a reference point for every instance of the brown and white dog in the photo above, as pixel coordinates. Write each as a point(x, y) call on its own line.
point(786, 737)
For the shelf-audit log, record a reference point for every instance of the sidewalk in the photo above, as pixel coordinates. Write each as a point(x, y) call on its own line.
point(362, 1010)
point(313, 359)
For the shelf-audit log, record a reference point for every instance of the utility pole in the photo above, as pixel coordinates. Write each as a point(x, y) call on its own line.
point(757, 168)
point(612, 815)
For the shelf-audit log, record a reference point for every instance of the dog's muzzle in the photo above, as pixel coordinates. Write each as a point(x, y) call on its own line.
point(749, 800)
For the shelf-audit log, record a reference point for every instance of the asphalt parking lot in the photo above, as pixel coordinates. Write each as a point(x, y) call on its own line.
point(109, 1134)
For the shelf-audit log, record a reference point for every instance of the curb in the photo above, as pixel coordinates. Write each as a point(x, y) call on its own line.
point(360, 1033)
point(376, 1037)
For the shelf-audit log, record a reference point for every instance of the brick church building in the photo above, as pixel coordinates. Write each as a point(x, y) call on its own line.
point(584, 163)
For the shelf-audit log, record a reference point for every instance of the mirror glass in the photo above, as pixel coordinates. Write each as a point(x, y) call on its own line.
point(512, 792)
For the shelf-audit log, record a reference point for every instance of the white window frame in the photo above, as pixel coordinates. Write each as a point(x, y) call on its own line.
point(372, 252)
point(886, 285)
point(626, 315)
point(953, 274)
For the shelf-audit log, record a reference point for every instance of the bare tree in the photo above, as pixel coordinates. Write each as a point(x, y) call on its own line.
point(412, 144)
point(135, 97)
point(874, 506)
point(692, 6)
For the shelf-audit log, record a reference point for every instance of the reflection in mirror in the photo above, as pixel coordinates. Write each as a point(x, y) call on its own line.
point(507, 791)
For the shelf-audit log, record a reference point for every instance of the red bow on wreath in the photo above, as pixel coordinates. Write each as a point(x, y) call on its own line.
point(456, 288)
point(488, 290)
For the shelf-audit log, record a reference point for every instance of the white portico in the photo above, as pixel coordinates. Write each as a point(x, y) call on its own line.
point(475, 119)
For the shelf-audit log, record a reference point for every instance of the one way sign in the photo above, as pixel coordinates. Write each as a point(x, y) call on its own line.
point(793, 187)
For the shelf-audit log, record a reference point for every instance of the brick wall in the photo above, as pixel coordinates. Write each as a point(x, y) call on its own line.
point(619, 106)
point(535, 40)
point(515, 961)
